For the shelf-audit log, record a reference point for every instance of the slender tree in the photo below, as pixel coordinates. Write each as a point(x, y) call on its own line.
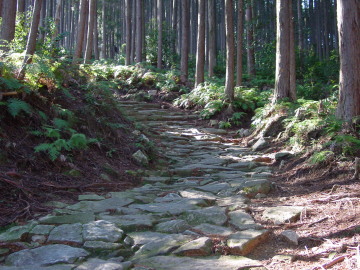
point(139, 31)
point(90, 33)
point(21, 6)
point(285, 64)
point(128, 31)
point(103, 28)
point(200, 52)
point(239, 52)
point(212, 38)
point(31, 42)
point(160, 32)
point(230, 50)
point(185, 43)
point(8, 22)
point(80, 31)
point(250, 40)
point(348, 14)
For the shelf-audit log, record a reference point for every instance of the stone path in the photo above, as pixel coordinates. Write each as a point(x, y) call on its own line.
point(184, 217)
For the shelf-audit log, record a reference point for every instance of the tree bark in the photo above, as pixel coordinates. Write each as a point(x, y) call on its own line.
point(160, 29)
point(57, 19)
point(21, 6)
point(250, 41)
point(285, 64)
point(81, 31)
point(103, 32)
point(348, 15)
point(128, 32)
point(185, 14)
point(31, 42)
point(139, 25)
point(200, 52)
point(8, 22)
point(96, 34)
point(90, 33)
point(230, 51)
point(212, 38)
point(239, 54)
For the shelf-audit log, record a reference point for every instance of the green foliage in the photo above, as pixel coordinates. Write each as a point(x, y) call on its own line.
point(224, 125)
point(16, 106)
point(168, 39)
point(349, 143)
point(321, 157)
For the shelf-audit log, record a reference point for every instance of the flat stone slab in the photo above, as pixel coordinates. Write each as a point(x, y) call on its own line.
point(211, 263)
point(172, 226)
point(214, 188)
point(196, 194)
point(130, 222)
point(141, 238)
point(98, 264)
point(282, 214)
point(101, 246)
point(102, 230)
point(90, 197)
point(16, 233)
point(67, 234)
point(38, 267)
point(198, 247)
point(242, 220)
point(213, 215)
point(46, 255)
point(68, 219)
point(174, 208)
point(242, 243)
point(42, 229)
point(233, 202)
point(213, 230)
point(161, 247)
point(100, 206)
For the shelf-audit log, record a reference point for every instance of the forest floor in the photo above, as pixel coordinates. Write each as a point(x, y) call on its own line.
point(329, 228)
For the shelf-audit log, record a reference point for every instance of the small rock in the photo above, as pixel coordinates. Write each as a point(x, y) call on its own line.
point(198, 247)
point(291, 236)
point(172, 226)
point(213, 215)
point(42, 229)
point(67, 234)
point(282, 155)
point(284, 258)
point(213, 230)
point(283, 214)
point(41, 239)
point(141, 158)
point(98, 264)
point(260, 144)
point(102, 230)
point(242, 243)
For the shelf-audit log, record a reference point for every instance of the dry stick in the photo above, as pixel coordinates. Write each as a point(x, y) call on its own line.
point(318, 221)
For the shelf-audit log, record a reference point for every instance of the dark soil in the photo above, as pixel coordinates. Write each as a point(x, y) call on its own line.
point(28, 180)
point(329, 227)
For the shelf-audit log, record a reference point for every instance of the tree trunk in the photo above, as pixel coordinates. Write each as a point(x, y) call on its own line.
point(300, 25)
point(21, 6)
point(230, 51)
point(185, 14)
point(285, 64)
point(160, 27)
point(200, 52)
point(31, 42)
point(348, 15)
point(174, 25)
point(96, 34)
point(128, 32)
point(80, 31)
point(250, 41)
point(57, 19)
point(239, 54)
point(8, 22)
point(104, 34)
point(212, 38)
point(90, 33)
point(139, 25)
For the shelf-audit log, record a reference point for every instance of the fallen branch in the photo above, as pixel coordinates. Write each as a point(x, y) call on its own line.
point(318, 221)
point(331, 263)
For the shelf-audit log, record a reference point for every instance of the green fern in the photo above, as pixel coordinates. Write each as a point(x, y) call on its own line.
point(78, 141)
point(15, 106)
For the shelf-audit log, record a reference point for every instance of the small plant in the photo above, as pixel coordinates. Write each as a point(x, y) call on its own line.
point(321, 157)
point(224, 125)
point(16, 106)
